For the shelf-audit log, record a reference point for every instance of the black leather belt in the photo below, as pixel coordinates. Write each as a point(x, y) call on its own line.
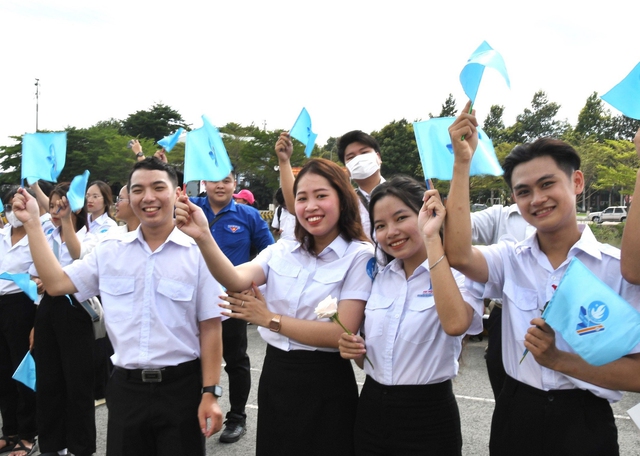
point(162, 374)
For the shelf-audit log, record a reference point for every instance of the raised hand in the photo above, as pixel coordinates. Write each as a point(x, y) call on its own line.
point(284, 147)
point(189, 218)
point(431, 214)
point(25, 207)
point(464, 134)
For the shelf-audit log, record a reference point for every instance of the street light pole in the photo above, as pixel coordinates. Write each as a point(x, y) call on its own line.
point(37, 84)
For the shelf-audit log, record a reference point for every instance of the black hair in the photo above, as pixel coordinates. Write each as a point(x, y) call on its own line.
point(562, 153)
point(152, 163)
point(406, 189)
point(279, 197)
point(359, 137)
point(11, 192)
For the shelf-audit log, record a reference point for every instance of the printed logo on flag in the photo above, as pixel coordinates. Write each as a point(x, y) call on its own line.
point(591, 318)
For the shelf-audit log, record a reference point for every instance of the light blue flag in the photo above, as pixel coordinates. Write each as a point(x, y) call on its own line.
point(77, 190)
point(471, 74)
point(436, 150)
point(301, 130)
point(43, 156)
point(23, 281)
point(205, 156)
point(592, 318)
point(1, 206)
point(26, 371)
point(625, 96)
point(168, 142)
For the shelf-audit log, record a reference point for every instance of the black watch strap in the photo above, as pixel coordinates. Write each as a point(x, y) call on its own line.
point(216, 390)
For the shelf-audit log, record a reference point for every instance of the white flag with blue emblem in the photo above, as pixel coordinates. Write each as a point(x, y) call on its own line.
point(591, 317)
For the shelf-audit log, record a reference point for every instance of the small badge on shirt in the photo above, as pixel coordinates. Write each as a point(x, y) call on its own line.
point(372, 268)
point(426, 293)
point(233, 228)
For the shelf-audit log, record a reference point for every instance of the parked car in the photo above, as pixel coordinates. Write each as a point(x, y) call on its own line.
point(478, 207)
point(610, 214)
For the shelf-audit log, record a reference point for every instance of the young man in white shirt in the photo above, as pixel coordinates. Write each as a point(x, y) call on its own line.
point(360, 153)
point(156, 292)
point(553, 402)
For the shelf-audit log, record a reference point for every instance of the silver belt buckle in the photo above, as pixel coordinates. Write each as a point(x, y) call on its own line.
point(152, 375)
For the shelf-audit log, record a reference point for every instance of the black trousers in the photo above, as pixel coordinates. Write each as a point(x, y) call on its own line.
point(155, 419)
point(237, 366)
point(528, 421)
point(17, 401)
point(306, 404)
point(63, 352)
point(406, 420)
point(493, 357)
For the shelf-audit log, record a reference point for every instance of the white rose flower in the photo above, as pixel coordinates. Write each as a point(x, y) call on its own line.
point(327, 308)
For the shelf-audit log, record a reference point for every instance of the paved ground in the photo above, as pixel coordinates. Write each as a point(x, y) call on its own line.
point(471, 387)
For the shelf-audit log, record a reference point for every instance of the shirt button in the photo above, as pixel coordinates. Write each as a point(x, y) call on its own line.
point(397, 315)
point(550, 397)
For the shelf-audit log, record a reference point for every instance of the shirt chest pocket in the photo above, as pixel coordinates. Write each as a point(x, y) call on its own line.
point(421, 321)
point(524, 307)
point(283, 275)
point(173, 301)
point(117, 297)
point(376, 312)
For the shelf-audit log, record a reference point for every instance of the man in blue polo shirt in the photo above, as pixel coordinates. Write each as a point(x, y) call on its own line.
point(236, 228)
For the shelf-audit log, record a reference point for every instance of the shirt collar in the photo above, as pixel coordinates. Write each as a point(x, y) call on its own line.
point(587, 243)
point(229, 207)
point(368, 195)
point(339, 245)
point(176, 236)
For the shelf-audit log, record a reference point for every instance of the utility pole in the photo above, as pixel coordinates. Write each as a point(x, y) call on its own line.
point(37, 84)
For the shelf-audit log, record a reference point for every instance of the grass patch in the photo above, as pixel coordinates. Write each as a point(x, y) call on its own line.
point(609, 234)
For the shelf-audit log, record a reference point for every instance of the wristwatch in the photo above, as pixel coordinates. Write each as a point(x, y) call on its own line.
point(140, 154)
point(216, 390)
point(274, 324)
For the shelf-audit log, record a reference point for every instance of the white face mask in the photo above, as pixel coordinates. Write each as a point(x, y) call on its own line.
point(363, 166)
point(13, 220)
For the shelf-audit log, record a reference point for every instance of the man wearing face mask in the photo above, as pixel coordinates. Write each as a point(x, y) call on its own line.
point(360, 153)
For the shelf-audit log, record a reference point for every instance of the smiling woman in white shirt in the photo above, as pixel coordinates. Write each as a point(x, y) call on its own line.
point(99, 200)
point(415, 319)
point(307, 394)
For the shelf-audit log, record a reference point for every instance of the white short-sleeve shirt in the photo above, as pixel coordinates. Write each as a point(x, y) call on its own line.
point(152, 301)
point(491, 224)
point(521, 274)
point(297, 281)
point(404, 338)
point(101, 225)
point(15, 259)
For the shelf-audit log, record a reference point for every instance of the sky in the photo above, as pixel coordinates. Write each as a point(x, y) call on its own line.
point(353, 64)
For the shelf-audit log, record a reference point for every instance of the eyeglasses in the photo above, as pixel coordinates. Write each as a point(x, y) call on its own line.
point(118, 199)
point(93, 197)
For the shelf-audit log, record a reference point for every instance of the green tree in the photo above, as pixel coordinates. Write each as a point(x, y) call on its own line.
point(448, 109)
point(398, 149)
point(154, 124)
point(493, 124)
point(537, 122)
point(594, 120)
point(625, 127)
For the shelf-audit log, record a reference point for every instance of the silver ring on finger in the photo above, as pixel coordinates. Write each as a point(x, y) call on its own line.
point(242, 305)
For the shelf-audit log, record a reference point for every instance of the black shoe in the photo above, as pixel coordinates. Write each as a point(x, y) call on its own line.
point(232, 432)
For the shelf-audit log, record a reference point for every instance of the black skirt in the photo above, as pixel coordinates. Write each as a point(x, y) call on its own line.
point(406, 420)
point(306, 404)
